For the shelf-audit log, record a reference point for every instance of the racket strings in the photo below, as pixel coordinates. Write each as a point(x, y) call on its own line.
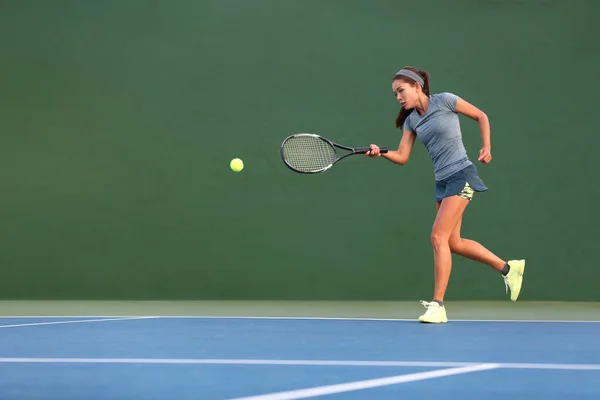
point(308, 153)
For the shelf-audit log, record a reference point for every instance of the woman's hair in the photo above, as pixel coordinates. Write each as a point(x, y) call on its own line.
point(404, 113)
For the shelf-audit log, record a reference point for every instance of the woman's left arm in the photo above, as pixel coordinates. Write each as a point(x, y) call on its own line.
point(465, 108)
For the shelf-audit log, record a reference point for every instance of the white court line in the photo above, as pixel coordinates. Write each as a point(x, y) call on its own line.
point(377, 319)
point(71, 316)
point(238, 362)
point(368, 384)
point(564, 367)
point(74, 321)
point(341, 363)
point(300, 318)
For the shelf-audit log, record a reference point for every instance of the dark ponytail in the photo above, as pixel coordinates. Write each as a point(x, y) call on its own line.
point(404, 113)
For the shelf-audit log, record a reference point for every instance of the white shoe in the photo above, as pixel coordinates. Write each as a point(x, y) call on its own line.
point(514, 279)
point(435, 313)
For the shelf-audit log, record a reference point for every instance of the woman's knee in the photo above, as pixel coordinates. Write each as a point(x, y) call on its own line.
point(439, 239)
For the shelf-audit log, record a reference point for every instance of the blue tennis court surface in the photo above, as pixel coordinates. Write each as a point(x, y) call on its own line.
point(291, 358)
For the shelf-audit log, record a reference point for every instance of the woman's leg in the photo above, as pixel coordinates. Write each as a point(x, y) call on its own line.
point(473, 250)
point(448, 215)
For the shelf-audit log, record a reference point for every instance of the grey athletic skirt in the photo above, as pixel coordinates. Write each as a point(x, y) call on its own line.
point(463, 182)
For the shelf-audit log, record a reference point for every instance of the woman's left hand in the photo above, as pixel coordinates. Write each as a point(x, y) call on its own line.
point(485, 155)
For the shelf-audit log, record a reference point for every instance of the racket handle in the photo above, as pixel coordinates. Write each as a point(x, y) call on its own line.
point(362, 150)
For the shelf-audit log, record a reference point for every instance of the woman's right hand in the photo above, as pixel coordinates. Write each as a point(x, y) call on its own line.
point(374, 152)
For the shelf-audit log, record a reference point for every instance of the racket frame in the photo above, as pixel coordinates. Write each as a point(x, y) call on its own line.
point(352, 151)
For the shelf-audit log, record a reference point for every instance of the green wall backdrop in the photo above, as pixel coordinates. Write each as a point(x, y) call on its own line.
point(118, 119)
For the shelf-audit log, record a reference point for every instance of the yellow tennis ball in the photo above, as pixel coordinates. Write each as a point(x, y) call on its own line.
point(236, 164)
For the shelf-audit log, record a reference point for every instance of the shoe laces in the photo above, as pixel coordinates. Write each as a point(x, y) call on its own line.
point(430, 306)
point(506, 285)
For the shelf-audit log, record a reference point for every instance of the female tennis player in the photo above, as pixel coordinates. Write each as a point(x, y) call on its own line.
point(433, 118)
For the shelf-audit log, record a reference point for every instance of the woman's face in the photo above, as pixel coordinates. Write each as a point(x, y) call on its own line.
point(406, 93)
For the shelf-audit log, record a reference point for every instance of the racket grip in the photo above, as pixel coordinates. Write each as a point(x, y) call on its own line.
point(382, 149)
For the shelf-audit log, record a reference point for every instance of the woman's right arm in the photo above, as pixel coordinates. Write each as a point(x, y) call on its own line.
point(399, 156)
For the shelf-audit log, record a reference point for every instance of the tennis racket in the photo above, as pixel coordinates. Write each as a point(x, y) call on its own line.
point(307, 153)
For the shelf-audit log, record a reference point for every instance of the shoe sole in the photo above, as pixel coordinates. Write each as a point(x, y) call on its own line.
point(425, 321)
point(521, 273)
